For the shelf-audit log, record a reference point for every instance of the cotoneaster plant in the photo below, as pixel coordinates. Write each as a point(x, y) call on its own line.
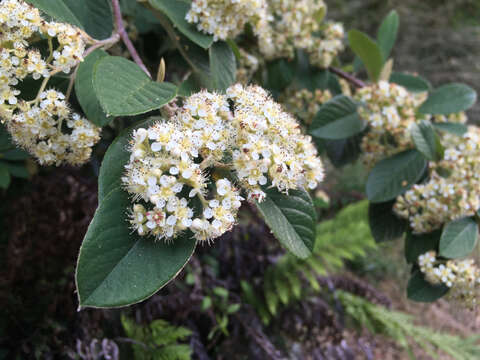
point(221, 133)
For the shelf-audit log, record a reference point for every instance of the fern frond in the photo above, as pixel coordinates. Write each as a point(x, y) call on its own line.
point(400, 327)
point(343, 238)
point(158, 341)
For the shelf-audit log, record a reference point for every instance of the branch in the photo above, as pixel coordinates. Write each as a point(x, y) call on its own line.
point(351, 79)
point(120, 27)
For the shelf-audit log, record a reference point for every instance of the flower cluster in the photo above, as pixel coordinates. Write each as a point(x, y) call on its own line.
point(163, 174)
point(389, 110)
point(280, 25)
point(247, 66)
point(304, 104)
point(38, 125)
point(452, 190)
point(461, 276)
point(296, 24)
point(226, 18)
point(39, 129)
point(269, 145)
point(244, 132)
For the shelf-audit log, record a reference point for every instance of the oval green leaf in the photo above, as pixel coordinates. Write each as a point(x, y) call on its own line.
point(175, 11)
point(448, 99)
point(4, 177)
point(384, 224)
point(427, 141)
point(394, 175)
point(420, 290)
point(387, 33)
point(410, 82)
point(123, 89)
point(368, 51)
point(459, 238)
point(337, 119)
point(419, 244)
point(452, 128)
point(223, 65)
point(86, 93)
point(292, 220)
point(117, 268)
point(94, 16)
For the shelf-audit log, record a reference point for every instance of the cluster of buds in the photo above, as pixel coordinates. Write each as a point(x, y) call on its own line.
point(303, 103)
point(226, 19)
point(45, 126)
point(452, 190)
point(390, 111)
point(244, 133)
point(296, 24)
point(461, 276)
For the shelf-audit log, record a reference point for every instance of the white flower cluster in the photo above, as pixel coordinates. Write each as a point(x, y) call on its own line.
point(461, 276)
point(296, 24)
point(226, 18)
point(37, 125)
point(40, 130)
point(166, 175)
point(163, 174)
point(280, 25)
point(270, 145)
point(453, 188)
point(389, 110)
point(303, 103)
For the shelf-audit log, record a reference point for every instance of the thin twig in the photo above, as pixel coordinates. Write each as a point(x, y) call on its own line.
point(351, 79)
point(120, 27)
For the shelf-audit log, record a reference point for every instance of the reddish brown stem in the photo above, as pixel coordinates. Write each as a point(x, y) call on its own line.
point(120, 27)
point(351, 79)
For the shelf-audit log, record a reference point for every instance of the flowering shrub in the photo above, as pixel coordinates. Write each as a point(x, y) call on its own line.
point(255, 93)
point(36, 125)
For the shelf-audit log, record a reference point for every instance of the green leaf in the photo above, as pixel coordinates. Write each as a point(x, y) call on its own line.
point(280, 74)
point(15, 155)
point(223, 66)
point(94, 16)
point(345, 151)
point(292, 219)
point(5, 177)
point(427, 141)
point(176, 10)
point(337, 119)
point(459, 238)
point(384, 224)
point(394, 175)
point(85, 91)
point(448, 99)
point(419, 244)
point(123, 89)
point(420, 290)
point(115, 159)
point(117, 268)
point(16, 169)
point(368, 51)
point(387, 33)
point(58, 10)
point(452, 128)
point(410, 82)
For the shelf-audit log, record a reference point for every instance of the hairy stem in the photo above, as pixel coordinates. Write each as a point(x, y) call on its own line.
point(120, 27)
point(351, 79)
